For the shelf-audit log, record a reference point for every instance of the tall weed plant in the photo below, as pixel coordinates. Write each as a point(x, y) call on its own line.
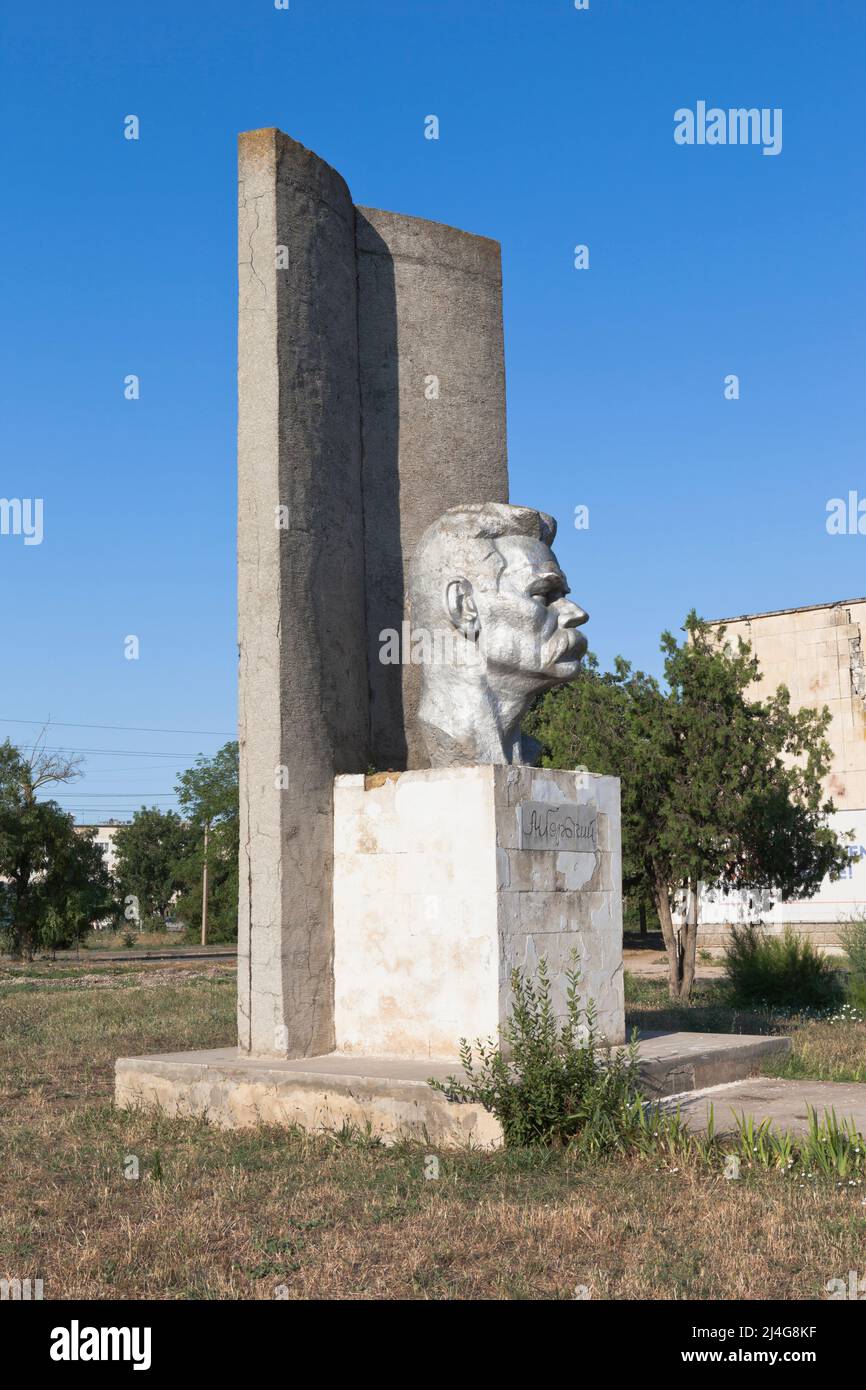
point(779, 972)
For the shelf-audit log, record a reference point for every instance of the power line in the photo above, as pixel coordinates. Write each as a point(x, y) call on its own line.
point(123, 728)
point(109, 812)
point(124, 771)
point(113, 752)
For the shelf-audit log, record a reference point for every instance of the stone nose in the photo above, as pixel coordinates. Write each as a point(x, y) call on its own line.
point(571, 614)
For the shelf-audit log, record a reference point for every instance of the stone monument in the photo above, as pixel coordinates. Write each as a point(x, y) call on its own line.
point(381, 914)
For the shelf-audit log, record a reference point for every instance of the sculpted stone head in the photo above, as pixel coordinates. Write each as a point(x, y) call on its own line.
point(491, 628)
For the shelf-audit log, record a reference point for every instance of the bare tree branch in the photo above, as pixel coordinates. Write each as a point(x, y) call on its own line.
point(44, 767)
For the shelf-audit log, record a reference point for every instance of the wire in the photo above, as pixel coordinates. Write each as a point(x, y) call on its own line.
point(113, 752)
point(123, 728)
point(130, 767)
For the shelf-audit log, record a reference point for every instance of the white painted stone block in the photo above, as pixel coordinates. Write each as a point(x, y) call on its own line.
point(435, 902)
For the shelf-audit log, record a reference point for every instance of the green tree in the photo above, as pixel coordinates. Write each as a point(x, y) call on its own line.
point(718, 789)
point(148, 852)
point(208, 796)
point(53, 881)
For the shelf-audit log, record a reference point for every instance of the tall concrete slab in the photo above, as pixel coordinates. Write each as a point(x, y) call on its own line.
point(371, 386)
point(303, 679)
point(432, 372)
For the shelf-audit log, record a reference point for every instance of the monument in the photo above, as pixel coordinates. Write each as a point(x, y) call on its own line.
point(381, 913)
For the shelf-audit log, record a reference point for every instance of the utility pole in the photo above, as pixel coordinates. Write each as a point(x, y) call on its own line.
point(204, 888)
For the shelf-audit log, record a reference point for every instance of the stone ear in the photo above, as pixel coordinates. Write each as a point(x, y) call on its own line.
point(460, 606)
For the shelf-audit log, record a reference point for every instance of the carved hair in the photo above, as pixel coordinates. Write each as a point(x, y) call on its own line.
point(441, 554)
point(488, 520)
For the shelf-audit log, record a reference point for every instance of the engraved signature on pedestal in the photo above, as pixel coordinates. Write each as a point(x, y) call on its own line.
point(558, 827)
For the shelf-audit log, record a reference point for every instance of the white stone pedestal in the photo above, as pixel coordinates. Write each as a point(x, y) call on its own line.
point(446, 879)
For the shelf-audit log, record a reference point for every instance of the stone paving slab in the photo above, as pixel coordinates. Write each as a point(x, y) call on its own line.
point(785, 1103)
point(675, 1062)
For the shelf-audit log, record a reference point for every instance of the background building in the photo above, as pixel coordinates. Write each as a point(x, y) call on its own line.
point(818, 653)
point(105, 833)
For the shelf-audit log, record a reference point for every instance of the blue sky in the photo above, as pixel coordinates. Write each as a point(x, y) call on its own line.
point(556, 129)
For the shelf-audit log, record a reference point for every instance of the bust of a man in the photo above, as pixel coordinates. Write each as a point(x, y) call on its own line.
point(491, 626)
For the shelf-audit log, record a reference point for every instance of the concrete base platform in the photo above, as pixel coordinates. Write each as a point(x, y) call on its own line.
point(764, 1097)
point(388, 1094)
point(675, 1062)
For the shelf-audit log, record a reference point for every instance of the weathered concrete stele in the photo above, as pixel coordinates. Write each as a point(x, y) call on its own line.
point(432, 382)
point(371, 397)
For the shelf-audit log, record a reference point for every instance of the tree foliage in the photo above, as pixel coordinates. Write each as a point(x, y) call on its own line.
point(53, 881)
point(160, 854)
point(149, 851)
point(208, 796)
point(718, 789)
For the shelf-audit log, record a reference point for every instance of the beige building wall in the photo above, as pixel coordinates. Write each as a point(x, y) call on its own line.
point(104, 837)
point(818, 653)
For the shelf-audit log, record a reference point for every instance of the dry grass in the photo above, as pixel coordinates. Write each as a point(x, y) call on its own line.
point(107, 940)
point(821, 1049)
point(219, 1214)
point(130, 938)
point(824, 1051)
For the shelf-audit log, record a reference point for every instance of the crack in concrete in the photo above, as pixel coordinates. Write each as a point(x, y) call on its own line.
point(251, 262)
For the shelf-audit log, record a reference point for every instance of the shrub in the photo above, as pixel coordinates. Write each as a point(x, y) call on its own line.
point(852, 939)
point(779, 972)
point(560, 1084)
point(555, 1082)
point(857, 994)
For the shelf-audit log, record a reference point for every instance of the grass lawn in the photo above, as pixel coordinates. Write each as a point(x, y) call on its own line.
point(821, 1049)
point(252, 1214)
